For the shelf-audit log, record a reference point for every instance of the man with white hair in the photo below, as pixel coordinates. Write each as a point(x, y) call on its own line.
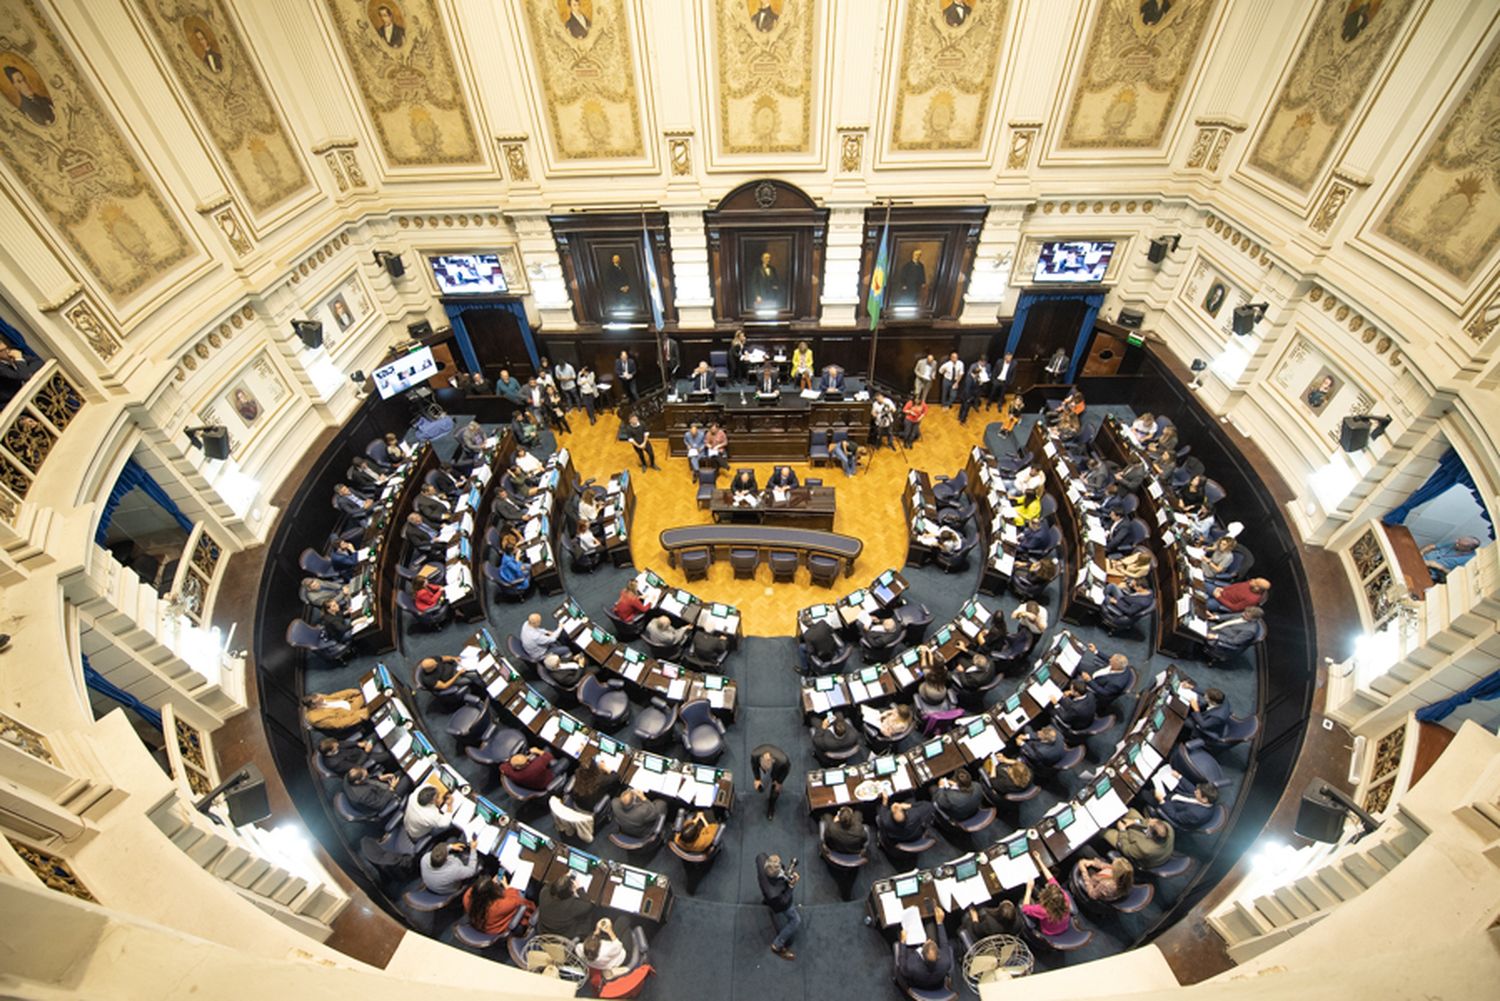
point(1442, 558)
point(537, 642)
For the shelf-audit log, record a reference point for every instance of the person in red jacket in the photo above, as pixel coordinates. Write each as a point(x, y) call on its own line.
point(630, 605)
point(1238, 597)
point(531, 770)
point(491, 905)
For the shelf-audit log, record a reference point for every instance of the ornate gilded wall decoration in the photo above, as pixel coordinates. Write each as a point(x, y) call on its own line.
point(764, 64)
point(1448, 210)
point(212, 65)
point(350, 163)
point(1485, 321)
point(332, 159)
point(680, 154)
point(1345, 48)
point(1135, 69)
point(1218, 153)
point(587, 70)
point(1202, 143)
point(851, 152)
point(64, 149)
point(55, 872)
point(407, 79)
point(515, 160)
point(950, 59)
point(29, 440)
point(1333, 204)
point(84, 319)
point(26, 740)
point(228, 220)
point(1021, 141)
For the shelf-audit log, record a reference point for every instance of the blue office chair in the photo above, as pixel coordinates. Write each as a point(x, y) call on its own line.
point(472, 938)
point(562, 694)
point(784, 564)
point(817, 452)
point(1075, 938)
point(842, 864)
point(822, 570)
point(708, 482)
point(648, 842)
point(982, 819)
point(830, 665)
point(813, 481)
point(903, 852)
point(608, 705)
point(1193, 761)
point(948, 489)
point(517, 653)
point(315, 563)
point(915, 618)
point(623, 630)
point(1080, 736)
point(431, 619)
point(308, 638)
point(1175, 866)
point(957, 561)
point(351, 814)
point(424, 908)
point(469, 722)
point(694, 562)
point(1012, 463)
point(1241, 730)
point(719, 362)
point(702, 734)
point(700, 860)
point(495, 745)
point(1049, 507)
point(653, 724)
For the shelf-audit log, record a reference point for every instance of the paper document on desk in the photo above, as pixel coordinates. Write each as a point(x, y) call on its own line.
point(1045, 691)
point(703, 794)
point(1096, 535)
point(624, 898)
point(1007, 564)
point(945, 887)
point(576, 742)
point(1013, 872)
point(819, 701)
point(369, 689)
point(870, 716)
point(1198, 626)
point(987, 743)
point(456, 590)
point(676, 690)
point(1106, 809)
point(911, 927)
point(901, 779)
point(890, 908)
point(537, 554)
point(447, 533)
point(970, 892)
point(1096, 594)
point(811, 394)
point(1068, 657)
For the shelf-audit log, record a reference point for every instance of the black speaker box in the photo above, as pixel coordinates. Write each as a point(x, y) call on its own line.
point(1244, 320)
point(419, 330)
point(215, 443)
point(1354, 433)
point(394, 266)
point(1317, 818)
point(249, 802)
point(1132, 318)
point(1156, 251)
point(311, 332)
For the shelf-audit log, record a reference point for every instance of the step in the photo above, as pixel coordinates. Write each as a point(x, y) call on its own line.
point(1361, 871)
point(1339, 883)
point(1385, 855)
point(1406, 841)
point(1236, 925)
point(1316, 893)
point(1292, 899)
point(1248, 950)
point(1274, 912)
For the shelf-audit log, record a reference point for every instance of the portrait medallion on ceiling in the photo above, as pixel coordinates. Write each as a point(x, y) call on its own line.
point(765, 74)
point(1136, 65)
point(209, 58)
point(950, 61)
point(1345, 48)
point(586, 67)
point(406, 77)
point(63, 147)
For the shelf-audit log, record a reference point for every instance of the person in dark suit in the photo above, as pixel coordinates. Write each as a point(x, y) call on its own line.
point(1210, 718)
point(745, 482)
point(1002, 373)
point(1034, 538)
point(418, 534)
point(765, 17)
point(1230, 636)
point(1126, 603)
point(433, 506)
point(776, 886)
point(702, 380)
point(820, 640)
point(833, 380)
point(968, 395)
point(765, 282)
point(834, 735)
point(958, 797)
point(373, 794)
point(783, 477)
point(957, 13)
point(344, 557)
point(364, 477)
point(352, 506)
point(339, 756)
point(577, 24)
point(1187, 807)
point(386, 27)
point(37, 107)
point(769, 767)
point(212, 57)
point(846, 832)
point(636, 815)
point(673, 353)
point(901, 822)
point(1042, 749)
point(626, 370)
point(769, 383)
point(926, 967)
point(1077, 709)
point(1119, 538)
point(1108, 677)
point(15, 369)
point(910, 280)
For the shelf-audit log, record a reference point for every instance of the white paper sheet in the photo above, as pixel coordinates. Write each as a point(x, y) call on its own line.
point(625, 898)
point(911, 927)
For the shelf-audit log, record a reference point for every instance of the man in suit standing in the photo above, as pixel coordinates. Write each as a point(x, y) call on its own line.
point(626, 370)
point(968, 393)
point(389, 31)
point(776, 886)
point(1003, 373)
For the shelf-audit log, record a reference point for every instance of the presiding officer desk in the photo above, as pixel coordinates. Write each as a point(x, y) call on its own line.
point(803, 507)
point(776, 431)
point(762, 537)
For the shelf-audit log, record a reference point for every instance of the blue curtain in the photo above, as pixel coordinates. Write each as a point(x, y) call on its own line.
point(16, 339)
point(1485, 689)
point(456, 312)
point(104, 686)
point(1028, 299)
point(1450, 472)
point(132, 476)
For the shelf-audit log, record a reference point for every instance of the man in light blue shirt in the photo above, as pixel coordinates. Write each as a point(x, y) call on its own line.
point(448, 867)
point(695, 438)
point(537, 642)
point(1445, 557)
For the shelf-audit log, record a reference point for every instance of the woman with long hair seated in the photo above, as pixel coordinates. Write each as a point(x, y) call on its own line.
point(1052, 914)
point(490, 905)
point(1104, 881)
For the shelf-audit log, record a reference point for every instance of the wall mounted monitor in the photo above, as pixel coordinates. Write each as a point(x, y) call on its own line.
point(405, 372)
point(1073, 262)
point(468, 274)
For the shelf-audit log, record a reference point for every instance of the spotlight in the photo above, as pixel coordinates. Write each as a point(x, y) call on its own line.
point(212, 438)
point(311, 332)
point(391, 262)
point(1161, 246)
point(1357, 431)
point(1248, 315)
point(361, 384)
point(1198, 367)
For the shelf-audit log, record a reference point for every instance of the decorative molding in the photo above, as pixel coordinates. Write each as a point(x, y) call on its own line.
point(951, 57)
point(89, 323)
point(1023, 137)
point(587, 76)
point(764, 76)
point(851, 151)
point(1333, 203)
point(226, 216)
point(513, 150)
point(1203, 143)
point(1485, 320)
point(1239, 239)
point(26, 740)
point(680, 152)
point(55, 872)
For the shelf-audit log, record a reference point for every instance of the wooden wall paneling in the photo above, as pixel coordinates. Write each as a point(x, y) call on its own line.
point(586, 245)
point(949, 237)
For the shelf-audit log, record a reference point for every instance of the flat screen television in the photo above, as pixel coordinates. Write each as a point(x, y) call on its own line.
point(468, 274)
point(1073, 262)
point(405, 372)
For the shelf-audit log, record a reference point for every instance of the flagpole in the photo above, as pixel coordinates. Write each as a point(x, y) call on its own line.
point(885, 233)
point(656, 331)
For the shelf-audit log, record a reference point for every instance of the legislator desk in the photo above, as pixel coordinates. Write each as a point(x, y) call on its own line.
point(382, 540)
point(775, 431)
point(804, 507)
point(762, 538)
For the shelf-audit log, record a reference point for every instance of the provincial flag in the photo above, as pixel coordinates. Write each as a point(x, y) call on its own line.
point(878, 277)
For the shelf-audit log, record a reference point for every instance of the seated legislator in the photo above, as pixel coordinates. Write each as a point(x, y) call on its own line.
point(895, 721)
point(530, 769)
point(433, 506)
point(335, 711)
point(354, 508)
point(901, 822)
point(317, 592)
point(1028, 508)
point(421, 536)
point(449, 867)
point(1181, 803)
point(1031, 617)
point(1442, 558)
point(660, 632)
point(1218, 562)
point(1131, 477)
point(446, 674)
point(630, 606)
point(1098, 474)
point(1108, 678)
point(1136, 564)
point(834, 734)
point(957, 796)
point(471, 442)
point(603, 951)
point(883, 632)
point(588, 548)
point(1002, 918)
point(1147, 842)
point(694, 441)
point(567, 672)
point(802, 365)
point(364, 476)
point(537, 642)
point(1042, 749)
point(336, 625)
point(513, 573)
point(768, 383)
point(783, 477)
point(338, 756)
point(1052, 913)
point(697, 834)
point(1209, 715)
point(344, 556)
point(702, 380)
point(590, 509)
point(1126, 603)
point(426, 813)
point(1103, 881)
point(564, 909)
point(15, 369)
point(832, 380)
point(370, 792)
point(508, 387)
point(1119, 536)
point(1115, 499)
point(1034, 539)
point(846, 832)
point(745, 483)
point(925, 967)
point(1031, 577)
point(1235, 598)
point(389, 453)
point(709, 648)
point(1077, 709)
point(1144, 429)
point(591, 784)
point(635, 814)
point(1006, 775)
point(1230, 636)
point(716, 444)
point(973, 672)
point(491, 905)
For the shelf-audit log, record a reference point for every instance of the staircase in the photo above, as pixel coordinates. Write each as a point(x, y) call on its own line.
point(1249, 929)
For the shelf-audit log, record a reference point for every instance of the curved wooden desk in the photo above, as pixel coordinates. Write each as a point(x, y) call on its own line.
point(762, 537)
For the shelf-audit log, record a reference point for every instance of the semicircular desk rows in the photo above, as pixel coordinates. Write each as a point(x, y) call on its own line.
point(1060, 683)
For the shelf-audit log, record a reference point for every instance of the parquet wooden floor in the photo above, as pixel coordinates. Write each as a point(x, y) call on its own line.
point(868, 507)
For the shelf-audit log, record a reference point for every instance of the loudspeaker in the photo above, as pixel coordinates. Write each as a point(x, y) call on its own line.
point(393, 266)
point(215, 442)
point(1156, 252)
point(419, 330)
point(1132, 318)
point(311, 332)
point(1317, 818)
point(1354, 433)
point(248, 803)
point(1244, 320)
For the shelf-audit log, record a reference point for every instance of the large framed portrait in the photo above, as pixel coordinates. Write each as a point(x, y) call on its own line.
point(765, 275)
point(620, 294)
point(913, 274)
